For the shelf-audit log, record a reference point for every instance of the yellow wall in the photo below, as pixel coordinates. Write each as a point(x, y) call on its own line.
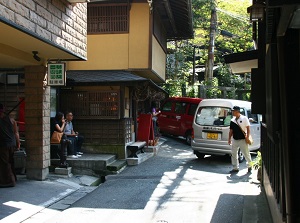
point(105, 52)
point(139, 36)
point(158, 59)
point(120, 51)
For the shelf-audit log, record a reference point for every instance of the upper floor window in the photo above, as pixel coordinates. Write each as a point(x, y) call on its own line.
point(107, 18)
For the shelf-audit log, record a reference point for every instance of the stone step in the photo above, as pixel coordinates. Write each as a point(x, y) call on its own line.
point(64, 171)
point(116, 165)
point(141, 157)
point(89, 164)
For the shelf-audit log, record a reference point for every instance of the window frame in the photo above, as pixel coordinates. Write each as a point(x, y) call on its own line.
point(92, 104)
point(104, 15)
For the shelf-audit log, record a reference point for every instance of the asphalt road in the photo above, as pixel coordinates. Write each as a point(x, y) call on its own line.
point(174, 187)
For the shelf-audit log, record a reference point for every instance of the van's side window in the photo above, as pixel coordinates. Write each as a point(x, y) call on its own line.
point(180, 107)
point(167, 106)
point(192, 109)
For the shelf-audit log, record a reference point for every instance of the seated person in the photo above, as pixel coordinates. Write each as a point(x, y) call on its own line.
point(77, 140)
point(58, 124)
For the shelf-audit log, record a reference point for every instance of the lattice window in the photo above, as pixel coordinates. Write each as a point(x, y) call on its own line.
point(128, 130)
point(108, 19)
point(97, 105)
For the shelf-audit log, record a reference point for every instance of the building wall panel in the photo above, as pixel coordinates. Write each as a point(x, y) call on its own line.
point(50, 20)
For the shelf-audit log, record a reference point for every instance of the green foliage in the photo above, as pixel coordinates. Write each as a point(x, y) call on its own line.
point(257, 162)
point(192, 93)
point(232, 17)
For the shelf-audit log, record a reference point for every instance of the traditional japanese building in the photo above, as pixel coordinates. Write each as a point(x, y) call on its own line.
point(275, 71)
point(127, 49)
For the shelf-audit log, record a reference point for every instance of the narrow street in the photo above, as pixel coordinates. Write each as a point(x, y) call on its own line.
point(174, 187)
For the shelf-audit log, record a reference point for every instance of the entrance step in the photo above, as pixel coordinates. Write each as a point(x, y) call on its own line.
point(141, 157)
point(89, 164)
point(117, 166)
point(63, 171)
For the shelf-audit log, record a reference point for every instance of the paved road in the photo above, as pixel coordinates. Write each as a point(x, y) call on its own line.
point(174, 187)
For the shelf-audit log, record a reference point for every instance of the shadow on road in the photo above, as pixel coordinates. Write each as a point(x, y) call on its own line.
point(173, 176)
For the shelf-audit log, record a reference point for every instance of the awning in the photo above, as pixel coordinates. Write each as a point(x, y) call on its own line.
point(96, 77)
point(176, 15)
point(242, 62)
point(107, 77)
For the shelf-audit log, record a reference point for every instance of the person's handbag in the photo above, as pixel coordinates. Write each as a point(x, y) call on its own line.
point(250, 139)
point(56, 137)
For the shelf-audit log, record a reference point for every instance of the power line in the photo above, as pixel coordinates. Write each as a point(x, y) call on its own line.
point(238, 17)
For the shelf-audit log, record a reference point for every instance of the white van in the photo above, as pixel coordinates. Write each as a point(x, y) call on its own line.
point(211, 127)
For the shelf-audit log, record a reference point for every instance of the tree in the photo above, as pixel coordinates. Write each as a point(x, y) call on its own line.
point(233, 34)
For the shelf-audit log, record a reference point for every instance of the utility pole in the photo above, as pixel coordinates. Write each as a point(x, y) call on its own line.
point(194, 65)
point(211, 47)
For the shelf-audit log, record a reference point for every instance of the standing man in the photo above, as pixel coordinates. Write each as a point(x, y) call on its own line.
point(239, 131)
point(9, 142)
point(76, 139)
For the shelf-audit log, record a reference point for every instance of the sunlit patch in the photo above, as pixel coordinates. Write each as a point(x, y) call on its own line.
point(26, 211)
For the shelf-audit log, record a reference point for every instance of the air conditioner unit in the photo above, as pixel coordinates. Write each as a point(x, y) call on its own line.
point(78, 1)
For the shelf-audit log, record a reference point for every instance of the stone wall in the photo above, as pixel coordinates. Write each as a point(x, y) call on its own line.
point(37, 118)
point(57, 21)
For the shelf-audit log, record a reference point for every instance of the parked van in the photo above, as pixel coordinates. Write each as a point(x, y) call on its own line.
point(211, 127)
point(176, 117)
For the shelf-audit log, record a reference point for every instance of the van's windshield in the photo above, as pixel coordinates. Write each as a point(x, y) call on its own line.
point(214, 116)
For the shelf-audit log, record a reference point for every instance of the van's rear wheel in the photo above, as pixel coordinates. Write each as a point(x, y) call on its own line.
point(188, 137)
point(199, 155)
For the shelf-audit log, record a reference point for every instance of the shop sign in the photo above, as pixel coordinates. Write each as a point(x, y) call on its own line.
point(56, 74)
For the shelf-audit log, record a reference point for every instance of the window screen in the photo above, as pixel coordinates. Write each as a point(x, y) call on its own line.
point(107, 19)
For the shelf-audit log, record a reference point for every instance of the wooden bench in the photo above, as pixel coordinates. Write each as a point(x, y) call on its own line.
point(136, 147)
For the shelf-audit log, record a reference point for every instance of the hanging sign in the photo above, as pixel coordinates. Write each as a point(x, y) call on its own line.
point(56, 74)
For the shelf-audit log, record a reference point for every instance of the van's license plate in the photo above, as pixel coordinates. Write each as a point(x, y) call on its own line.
point(212, 135)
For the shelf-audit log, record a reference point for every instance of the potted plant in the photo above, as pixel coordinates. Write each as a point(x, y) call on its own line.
point(257, 164)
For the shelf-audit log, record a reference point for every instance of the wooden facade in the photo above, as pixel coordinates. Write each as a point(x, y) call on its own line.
point(275, 96)
point(127, 39)
point(120, 38)
point(104, 105)
point(109, 18)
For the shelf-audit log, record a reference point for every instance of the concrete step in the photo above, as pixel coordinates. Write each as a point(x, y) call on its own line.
point(64, 171)
point(116, 166)
point(141, 157)
point(89, 164)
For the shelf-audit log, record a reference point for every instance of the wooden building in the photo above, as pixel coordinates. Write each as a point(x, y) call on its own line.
point(127, 49)
point(275, 80)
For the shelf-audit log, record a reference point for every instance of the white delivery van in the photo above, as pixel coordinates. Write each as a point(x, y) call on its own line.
point(211, 127)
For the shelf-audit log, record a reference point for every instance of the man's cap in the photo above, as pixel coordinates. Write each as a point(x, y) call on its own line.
point(236, 108)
